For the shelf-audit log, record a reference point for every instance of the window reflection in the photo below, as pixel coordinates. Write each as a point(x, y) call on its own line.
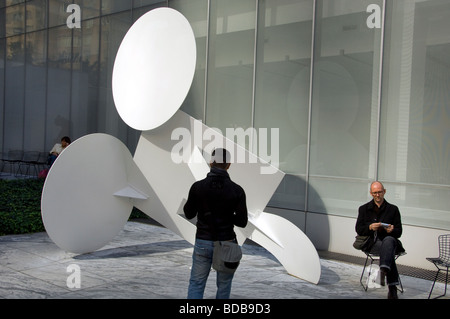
point(35, 89)
point(36, 44)
point(15, 48)
point(36, 15)
point(196, 12)
point(57, 12)
point(282, 89)
point(231, 56)
point(85, 77)
point(113, 6)
point(89, 8)
point(345, 102)
point(415, 116)
point(60, 48)
point(15, 20)
point(14, 90)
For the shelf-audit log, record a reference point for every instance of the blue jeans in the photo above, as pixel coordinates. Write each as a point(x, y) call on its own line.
point(386, 249)
point(201, 266)
point(51, 159)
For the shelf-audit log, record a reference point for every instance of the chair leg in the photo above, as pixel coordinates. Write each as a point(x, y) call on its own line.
point(401, 285)
point(371, 263)
point(362, 275)
point(434, 282)
point(364, 270)
point(432, 287)
point(446, 281)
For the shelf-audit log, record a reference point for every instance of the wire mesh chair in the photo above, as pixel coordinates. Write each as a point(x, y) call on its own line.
point(13, 159)
point(42, 162)
point(29, 160)
point(374, 257)
point(442, 262)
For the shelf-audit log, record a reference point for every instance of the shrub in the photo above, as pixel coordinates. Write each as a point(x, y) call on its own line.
point(20, 207)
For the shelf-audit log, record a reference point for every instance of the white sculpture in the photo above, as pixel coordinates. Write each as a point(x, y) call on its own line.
point(94, 184)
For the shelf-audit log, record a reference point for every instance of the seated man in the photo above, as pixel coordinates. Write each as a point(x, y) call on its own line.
point(57, 149)
point(382, 222)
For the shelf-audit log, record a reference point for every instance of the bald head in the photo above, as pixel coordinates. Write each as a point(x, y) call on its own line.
point(377, 191)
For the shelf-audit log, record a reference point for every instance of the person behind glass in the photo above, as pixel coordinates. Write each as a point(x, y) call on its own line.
point(57, 149)
point(219, 204)
point(382, 221)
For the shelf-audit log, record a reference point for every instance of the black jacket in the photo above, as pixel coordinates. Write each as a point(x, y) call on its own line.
point(387, 213)
point(219, 204)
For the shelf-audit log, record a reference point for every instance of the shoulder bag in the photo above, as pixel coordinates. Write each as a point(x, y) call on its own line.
point(227, 256)
point(361, 242)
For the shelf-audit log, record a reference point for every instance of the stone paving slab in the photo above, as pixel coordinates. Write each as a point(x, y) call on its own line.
point(150, 262)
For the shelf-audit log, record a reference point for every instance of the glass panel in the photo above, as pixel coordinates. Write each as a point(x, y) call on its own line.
point(89, 8)
point(36, 15)
point(139, 10)
point(58, 89)
point(35, 91)
point(345, 106)
point(37, 48)
point(230, 68)
point(57, 12)
point(85, 78)
point(2, 25)
point(60, 48)
point(415, 122)
point(143, 3)
point(114, 28)
point(421, 205)
point(12, 2)
point(197, 13)
point(113, 6)
point(282, 91)
point(14, 91)
point(2, 87)
point(15, 20)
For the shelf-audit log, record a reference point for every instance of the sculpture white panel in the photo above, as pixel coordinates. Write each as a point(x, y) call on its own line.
point(79, 209)
point(172, 181)
point(154, 69)
point(289, 245)
point(93, 185)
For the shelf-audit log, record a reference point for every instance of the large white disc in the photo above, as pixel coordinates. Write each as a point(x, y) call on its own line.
point(154, 69)
point(79, 209)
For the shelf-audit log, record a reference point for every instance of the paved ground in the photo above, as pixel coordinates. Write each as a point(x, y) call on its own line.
point(150, 262)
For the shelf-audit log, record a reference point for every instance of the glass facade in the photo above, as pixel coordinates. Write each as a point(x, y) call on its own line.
point(359, 90)
point(344, 106)
point(415, 114)
point(56, 80)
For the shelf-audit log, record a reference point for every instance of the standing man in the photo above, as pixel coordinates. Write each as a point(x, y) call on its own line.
point(382, 222)
point(219, 204)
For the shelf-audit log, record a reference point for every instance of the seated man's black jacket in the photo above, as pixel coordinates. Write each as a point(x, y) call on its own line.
point(219, 204)
point(388, 214)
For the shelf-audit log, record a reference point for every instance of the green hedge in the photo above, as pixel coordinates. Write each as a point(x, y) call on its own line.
point(20, 207)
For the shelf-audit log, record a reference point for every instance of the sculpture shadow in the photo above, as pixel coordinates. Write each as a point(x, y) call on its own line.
point(136, 250)
point(289, 202)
